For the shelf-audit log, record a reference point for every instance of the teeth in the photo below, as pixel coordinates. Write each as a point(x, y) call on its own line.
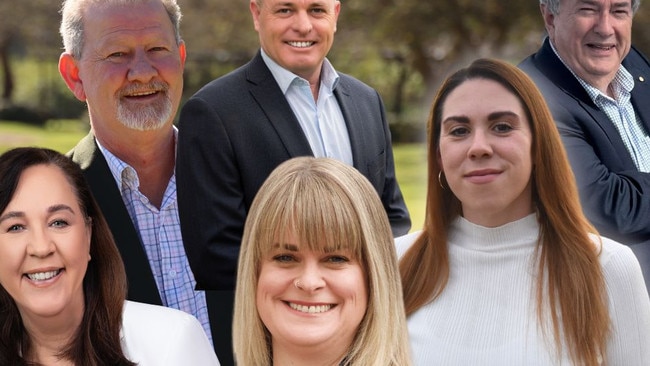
point(310, 309)
point(42, 276)
point(142, 94)
point(301, 44)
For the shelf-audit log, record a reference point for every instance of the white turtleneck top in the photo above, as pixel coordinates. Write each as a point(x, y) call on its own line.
point(486, 314)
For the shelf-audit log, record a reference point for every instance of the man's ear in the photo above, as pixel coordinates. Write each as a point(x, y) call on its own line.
point(182, 52)
point(255, 11)
point(549, 20)
point(70, 72)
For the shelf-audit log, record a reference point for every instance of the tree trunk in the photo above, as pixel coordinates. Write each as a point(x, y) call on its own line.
point(8, 77)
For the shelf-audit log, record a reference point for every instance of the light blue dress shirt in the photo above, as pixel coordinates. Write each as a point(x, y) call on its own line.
point(321, 120)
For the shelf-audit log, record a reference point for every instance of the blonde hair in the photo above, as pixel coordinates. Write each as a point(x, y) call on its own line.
point(569, 282)
point(328, 205)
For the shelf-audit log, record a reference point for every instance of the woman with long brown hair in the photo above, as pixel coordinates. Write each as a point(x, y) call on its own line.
point(507, 270)
point(62, 281)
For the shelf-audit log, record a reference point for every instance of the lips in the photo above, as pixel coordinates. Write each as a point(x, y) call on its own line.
point(482, 176)
point(482, 172)
point(310, 309)
point(602, 47)
point(303, 44)
point(43, 276)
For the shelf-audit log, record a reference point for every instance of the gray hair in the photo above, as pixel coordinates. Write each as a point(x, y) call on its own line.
point(72, 22)
point(554, 5)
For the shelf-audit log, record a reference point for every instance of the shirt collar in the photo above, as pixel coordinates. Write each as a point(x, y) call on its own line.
point(123, 173)
point(284, 77)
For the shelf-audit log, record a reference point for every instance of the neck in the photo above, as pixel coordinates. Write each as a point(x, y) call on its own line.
point(315, 88)
point(297, 356)
point(153, 156)
point(49, 336)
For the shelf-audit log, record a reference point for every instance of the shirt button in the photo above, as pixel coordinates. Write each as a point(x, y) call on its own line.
point(172, 274)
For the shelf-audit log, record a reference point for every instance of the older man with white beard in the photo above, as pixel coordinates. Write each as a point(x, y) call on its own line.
point(127, 66)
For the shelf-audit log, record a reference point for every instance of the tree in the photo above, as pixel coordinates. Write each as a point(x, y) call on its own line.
point(28, 26)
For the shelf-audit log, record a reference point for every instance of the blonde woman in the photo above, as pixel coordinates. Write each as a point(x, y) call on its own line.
point(318, 282)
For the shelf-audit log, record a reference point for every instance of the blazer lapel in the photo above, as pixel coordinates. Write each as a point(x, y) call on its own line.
point(273, 103)
point(353, 121)
point(554, 69)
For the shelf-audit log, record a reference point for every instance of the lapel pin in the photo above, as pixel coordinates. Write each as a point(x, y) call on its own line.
point(641, 79)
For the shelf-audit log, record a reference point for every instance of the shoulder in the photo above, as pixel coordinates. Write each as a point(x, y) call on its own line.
point(155, 321)
point(404, 242)
point(611, 250)
point(635, 58)
point(83, 153)
point(347, 82)
point(224, 84)
point(157, 335)
point(620, 265)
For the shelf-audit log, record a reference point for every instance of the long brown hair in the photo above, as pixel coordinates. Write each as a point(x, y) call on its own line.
point(570, 282)
point(97, 341)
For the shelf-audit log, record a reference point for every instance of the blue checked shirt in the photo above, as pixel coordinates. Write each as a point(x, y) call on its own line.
point(621, 112)
point(160, 234)
point(322, 121)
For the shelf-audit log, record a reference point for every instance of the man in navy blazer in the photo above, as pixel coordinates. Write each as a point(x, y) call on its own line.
point(238, 128)
point(596, 85)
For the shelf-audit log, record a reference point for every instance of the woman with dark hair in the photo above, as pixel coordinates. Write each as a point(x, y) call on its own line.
point(62, 299)
point(507, 270)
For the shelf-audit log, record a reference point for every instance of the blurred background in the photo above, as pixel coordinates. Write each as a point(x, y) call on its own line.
point(403, 48)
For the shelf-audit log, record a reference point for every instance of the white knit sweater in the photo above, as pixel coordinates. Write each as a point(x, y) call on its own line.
point(486, 315)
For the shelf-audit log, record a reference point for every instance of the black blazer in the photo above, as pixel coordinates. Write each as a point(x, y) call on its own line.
point(142, 285)
point(234, 132)
point(615, 196)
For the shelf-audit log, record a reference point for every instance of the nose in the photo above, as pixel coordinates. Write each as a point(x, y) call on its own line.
point(41, 244)
point(302, 23)
point(480, 145)
point(141, 68)
point(310, 278)
point(603, 26)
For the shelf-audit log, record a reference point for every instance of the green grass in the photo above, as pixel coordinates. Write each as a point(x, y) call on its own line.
point(411, 171)
point(62, 135)
point(59, 135)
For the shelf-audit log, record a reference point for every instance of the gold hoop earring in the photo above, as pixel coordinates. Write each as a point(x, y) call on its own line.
point(440, 180)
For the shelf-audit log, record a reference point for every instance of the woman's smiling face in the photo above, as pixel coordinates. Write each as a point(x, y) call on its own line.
point(44, 245)
point(311, 299)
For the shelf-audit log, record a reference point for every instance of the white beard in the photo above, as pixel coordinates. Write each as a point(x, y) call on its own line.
point(145, 118)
